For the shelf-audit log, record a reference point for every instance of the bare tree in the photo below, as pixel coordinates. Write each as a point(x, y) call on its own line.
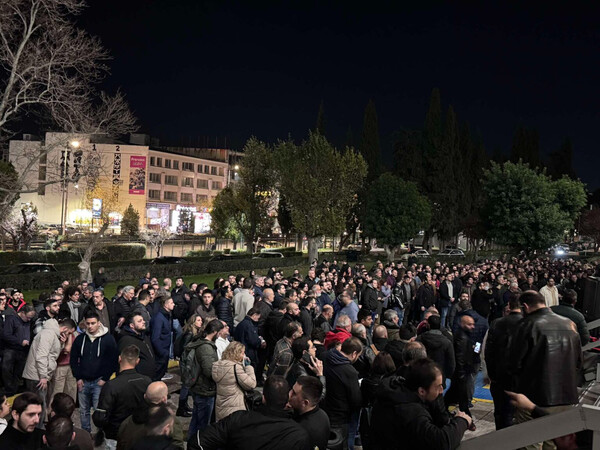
point(92, 248)
point(21, 227)
point(156, 239)
point(50, 67)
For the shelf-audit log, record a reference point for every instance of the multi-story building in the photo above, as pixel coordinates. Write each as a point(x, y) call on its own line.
point(164, 184)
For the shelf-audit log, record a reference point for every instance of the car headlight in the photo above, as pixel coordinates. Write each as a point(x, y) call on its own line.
point(559, 251)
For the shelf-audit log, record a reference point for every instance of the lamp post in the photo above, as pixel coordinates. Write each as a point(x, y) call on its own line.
point(65, 185)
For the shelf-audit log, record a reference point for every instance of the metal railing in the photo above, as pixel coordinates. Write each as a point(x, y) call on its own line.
point(578, 418)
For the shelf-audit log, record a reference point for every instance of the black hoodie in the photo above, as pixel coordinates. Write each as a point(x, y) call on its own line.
point(343, 391)
point(399, 412)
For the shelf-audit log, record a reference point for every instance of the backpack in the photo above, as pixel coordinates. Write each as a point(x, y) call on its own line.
point(189, 365)
point(178, 346)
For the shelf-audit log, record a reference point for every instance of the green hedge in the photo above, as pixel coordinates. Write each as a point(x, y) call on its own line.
point(128, 271)
point(112, 252)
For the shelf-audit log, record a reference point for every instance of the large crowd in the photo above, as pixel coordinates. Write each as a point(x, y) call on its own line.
point(345, 355)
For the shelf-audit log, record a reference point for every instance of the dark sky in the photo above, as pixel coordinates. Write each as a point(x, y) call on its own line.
point(192, 69)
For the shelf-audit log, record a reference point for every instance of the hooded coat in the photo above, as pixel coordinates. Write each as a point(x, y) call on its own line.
point(230, 396)
point(398, 411)
point(44, 352)
point(94, 356)
point(343, 391)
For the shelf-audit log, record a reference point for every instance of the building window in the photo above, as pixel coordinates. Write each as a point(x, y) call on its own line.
point(154, 194)
point(202, 184)
point(171, 180)
point(199, 168)
point(187, 182)
point(187, 166)
point(167, 163)
point(186, 198)
point(206, 169)
point(42, 180)
point(176, 165)
point(158, 162)
point(152, 161)
point(213, 170)
point(155, 178)
point(217, 185)
point(221, 172)
point(201, 198)
point(170, 196)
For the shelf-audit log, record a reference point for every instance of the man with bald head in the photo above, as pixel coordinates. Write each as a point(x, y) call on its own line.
point(464, 353)
point(134, 427)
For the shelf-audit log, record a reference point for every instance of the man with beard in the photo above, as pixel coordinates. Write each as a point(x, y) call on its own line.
point(135, 333)
point(50, 311)
point(23, 432)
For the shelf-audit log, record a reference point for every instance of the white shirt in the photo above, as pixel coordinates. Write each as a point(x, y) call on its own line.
point(550, 295)
point(221, 346)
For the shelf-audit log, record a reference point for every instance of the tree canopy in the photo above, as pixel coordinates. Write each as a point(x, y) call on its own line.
point(395, 211)
point(319, 184)
point(525, 209)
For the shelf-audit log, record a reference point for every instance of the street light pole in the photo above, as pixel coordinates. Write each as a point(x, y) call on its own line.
point(65, 185)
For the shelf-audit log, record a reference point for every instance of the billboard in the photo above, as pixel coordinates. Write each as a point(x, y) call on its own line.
point(96, 208)
point(137, 175)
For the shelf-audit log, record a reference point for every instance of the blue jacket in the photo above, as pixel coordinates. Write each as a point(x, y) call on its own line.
point(15, 332)
point(247, 333)
point(161, 335)
point(95, 359)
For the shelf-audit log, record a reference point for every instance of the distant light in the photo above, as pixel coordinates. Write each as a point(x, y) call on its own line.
point(559, 251)
point(74, 144)
point(236, 167)
point(76, 186)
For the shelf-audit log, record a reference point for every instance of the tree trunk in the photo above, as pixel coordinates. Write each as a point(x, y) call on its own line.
point(85, 266)
point(476, 250)
point(313, 249)
point(390, 252)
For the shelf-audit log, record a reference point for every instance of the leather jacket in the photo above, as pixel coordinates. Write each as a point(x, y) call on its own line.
point(545, 358)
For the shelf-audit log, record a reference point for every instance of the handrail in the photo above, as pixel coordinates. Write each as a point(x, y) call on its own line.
point(593, 324)
point(578, 418)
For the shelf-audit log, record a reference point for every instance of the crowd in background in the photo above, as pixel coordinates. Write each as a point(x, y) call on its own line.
point(344, 355)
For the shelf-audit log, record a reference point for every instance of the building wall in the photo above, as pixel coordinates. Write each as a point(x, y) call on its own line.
point(149, 191)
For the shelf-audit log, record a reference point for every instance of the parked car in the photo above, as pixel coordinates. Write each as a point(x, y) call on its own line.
point(452, 253)
point(265, 255)
point(416, 254)
point(32, 268)
point(168, 260)
point(221, 257)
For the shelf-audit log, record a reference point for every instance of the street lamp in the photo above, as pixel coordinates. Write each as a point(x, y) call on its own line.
point(65, 191)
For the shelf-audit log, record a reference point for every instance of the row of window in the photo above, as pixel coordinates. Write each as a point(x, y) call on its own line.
point(172, 180)
point(186, 166)
point(172, 196)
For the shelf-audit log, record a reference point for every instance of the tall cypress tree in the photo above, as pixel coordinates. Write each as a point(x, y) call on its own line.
point(320, 127)
point(560, 161)
point(369, 142)
point(526, 147)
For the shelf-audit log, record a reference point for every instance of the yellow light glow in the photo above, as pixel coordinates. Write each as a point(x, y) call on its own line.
point(74, 144)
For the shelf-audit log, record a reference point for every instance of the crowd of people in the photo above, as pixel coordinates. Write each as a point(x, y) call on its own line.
point(345, 355)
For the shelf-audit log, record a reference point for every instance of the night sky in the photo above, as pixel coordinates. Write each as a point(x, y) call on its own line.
point(193, 69)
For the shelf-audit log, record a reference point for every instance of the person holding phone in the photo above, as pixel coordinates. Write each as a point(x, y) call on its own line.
point(305, 361)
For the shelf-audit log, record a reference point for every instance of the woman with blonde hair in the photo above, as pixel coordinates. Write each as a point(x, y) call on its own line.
point(233, 375)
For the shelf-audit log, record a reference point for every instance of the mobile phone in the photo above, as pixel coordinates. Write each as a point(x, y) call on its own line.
point(477, 348)
point(306, 358)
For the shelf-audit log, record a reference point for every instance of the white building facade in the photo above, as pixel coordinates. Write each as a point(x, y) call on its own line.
point(167, 186)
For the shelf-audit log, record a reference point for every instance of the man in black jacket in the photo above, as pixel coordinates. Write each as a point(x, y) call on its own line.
point(439, 347)
point(369, 299)
point(134, 333)
point(222, 306)
point(545, 357)
point(304, 399)
point(566, 308)
point(22, 432)
point(463, 352)
point(124, 305)
point(404, 414)
point(270, 427)
point(121, 396)
point(496, 357)
point(342, 397)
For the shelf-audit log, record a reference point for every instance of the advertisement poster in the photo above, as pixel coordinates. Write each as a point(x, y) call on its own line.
point(97, 208)
point(137, 175)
